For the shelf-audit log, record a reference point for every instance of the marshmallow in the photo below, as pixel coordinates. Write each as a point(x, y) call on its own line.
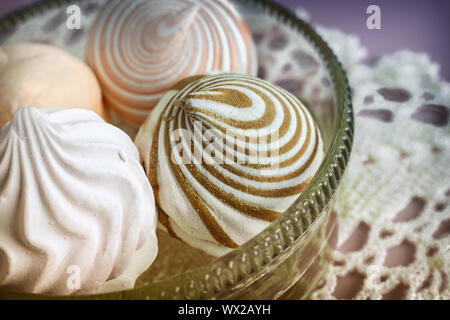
point(77, 213)
point(41, 75)
point(139, 49)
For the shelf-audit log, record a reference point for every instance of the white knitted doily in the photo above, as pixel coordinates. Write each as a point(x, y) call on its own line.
point(394, 201)
point(393, 204)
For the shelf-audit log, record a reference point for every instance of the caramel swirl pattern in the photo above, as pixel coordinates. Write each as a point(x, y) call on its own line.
point(226, 155)
point(139, 49)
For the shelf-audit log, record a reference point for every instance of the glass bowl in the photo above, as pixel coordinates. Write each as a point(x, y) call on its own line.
point(287, 260)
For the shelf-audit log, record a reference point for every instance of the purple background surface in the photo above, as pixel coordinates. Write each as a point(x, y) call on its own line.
point(418, 25)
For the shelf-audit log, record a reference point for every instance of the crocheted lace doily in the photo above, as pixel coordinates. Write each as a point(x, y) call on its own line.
point(394, 202)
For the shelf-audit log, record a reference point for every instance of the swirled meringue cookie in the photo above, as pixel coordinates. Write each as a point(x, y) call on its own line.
point(226, 155)
point(139, 49)
point(43, 75)
point(77, 213)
